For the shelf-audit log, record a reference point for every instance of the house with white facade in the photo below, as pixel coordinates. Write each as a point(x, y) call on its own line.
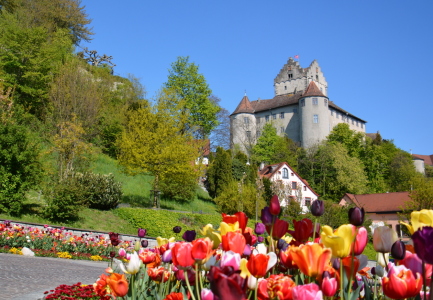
point(295, 187)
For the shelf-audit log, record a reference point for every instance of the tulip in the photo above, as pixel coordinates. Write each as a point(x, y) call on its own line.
point(181, 255)
point(181, 273)
point(329, 286)
point(206, 294)
point(239, 217)
point(423, 243)
point(144, 243)
point(231, 259)
point(162, 241)
point(133, 265)
point(286, 258)
point(147, 256)
point(303, 230)
point(278, 286)
point(274, 207)
point(166, 256)
point(115, 285)
point(317, 208)
point(339, 241)
point(361, 240)
point(174, 296)
point(382, 259)
point(214, 235)
point(230, 286)
point(260, 239)
point(201, 250)
point(401, 283)
point(278, 229)
point(233, 241)
point(307, 292)
point(419, 219)
point(383, 238)
point(378, 270)
point(398, 250)
point(356, 216)
point(266, 216)
point(311, 259)
point(158, 274)
point(259, 264)
point(177, 229)
point(122, 252)
point(414, 263)
point(282, 245)
point(260, 228)
point(189, 235)
point(141, 232)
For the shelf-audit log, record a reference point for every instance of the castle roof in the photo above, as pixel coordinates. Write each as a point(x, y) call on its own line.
point(428, 159)
point(313, 90)
point(244, 106)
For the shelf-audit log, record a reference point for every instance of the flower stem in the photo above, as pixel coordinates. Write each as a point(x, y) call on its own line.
point(196, 280)
point(341, 280)
point(185, 273)
point(424, 278)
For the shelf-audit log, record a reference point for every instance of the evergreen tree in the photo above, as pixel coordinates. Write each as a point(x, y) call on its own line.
point(219, 173)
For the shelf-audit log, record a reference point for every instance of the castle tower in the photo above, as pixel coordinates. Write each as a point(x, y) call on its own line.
point(314, 113)
point(243, 126)
point(293, 78)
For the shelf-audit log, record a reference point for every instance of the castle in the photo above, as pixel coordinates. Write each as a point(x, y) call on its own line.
point(300, 109)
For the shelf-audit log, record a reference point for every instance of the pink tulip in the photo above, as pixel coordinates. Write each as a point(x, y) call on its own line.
point(231, 259)
point(329, 286)
point(206, 294)
point(361, 240)
point(307, 292)
point(122, 252)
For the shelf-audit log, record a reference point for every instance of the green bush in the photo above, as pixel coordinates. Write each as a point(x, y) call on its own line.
point(65, 200)
point(100, 191)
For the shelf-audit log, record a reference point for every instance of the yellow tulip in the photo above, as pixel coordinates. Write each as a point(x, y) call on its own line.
point(225, 227)
point(339, 241)
point(244, 269)
point(212, 234)
point(162, 241)
point(419, 219)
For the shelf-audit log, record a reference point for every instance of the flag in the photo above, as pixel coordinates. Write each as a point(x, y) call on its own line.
point(296, 56)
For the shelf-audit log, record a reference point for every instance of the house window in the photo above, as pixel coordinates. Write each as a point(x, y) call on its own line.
point(302, 102)
point(315, 101)
point(246, 120)
point(315, 118)
point(274, 116)
point(357, 124)
point(282, 115)
point(362, 125)
point(317, 77)
point(305, 188)
point(294, 185)
point(248, 134)
point(281, 129)
point(285, 173)
point(307, 201)
point(267, 118)
point(295, 110)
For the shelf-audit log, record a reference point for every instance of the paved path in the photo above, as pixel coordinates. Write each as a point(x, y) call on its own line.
point(27, 278)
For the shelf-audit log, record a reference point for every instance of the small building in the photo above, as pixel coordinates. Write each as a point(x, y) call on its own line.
point(382, 207)
point(296, 188)
point(421, 160)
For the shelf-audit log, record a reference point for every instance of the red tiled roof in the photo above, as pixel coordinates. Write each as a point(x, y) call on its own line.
point(313, 90)
point(428, 159)
point(384, 202)
point(244, 106)
point(270, 170)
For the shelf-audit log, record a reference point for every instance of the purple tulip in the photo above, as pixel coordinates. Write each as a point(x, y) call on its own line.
point(166, 256)
point(282, 245)
point(260, 239)
point(356, 216)
point(266, 216)
point(317, 208)
point(189, 235)
point(177, 229)
point(398, 250)
point(144, 243)
point(423, 243)
point(141, 232)
point(260, 228)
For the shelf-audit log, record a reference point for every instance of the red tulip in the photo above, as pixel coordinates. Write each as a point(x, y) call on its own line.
point(279, 229)
point(233, 241)
point(286, 258)
point(280, 287)
point(115, 285)
point(201, 249)
point(303, 231)
point(174, 296)
point(158, 274)
point(401, 283)
point(258, 265)
point(329, 286)
point(274, 206)
point(230, 286)
point(239, 217)
point(181, 255)
point(147, 256)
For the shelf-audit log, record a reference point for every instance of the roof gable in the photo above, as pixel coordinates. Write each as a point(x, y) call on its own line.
point(244, 106)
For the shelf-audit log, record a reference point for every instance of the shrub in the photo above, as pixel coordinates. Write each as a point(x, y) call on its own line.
point(100, 191)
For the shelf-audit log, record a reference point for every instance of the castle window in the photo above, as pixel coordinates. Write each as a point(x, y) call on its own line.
point(357, 124)
point(274, 116)
point(307, 201)
point(285, 87)
point(290, 75)
point(294, 185)
point(248, 134)
point(315, 101)
point(258, 119)
point(295, 110)
point(258, 134)
point(317, 77)
point(282, 115)
point(281, 129)
point(362, 125)
point(326, 102)
point(332, 112)
point(338, 115)
point(353, 122)
point(246, 120)
point(315, 118)
point(285, 173)
point(267, 118)
point(302, 102)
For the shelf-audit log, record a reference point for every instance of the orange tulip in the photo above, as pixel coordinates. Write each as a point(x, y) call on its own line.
point(147, 256)
point(239, 217)
point(311, 259)
point(286, 258)
point(201, 249)
point(401, 283)
point(280, 287)
point(174, 296)
point(348, 267)
point(158, 274)
point(115, 285)
point(234, 241)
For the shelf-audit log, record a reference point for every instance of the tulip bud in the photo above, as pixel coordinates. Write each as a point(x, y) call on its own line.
point(260, 228)
point(379, 271)
point(260, 239)
point(383, 238)
point(112, 254)
point(137, 246)
point(141, 232)
point(115, 242)
point(274, 206)
point(398, 250)
point(144, 243)
point(282, 245)
point(189, 235)
point(336, 264)
point(166, 256)
point(356, 216)
point(317, 208)
point(122, 252)
point(266, 216)
point(177, 229)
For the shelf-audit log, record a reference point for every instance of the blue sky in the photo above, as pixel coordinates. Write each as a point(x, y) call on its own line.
point(376, 55)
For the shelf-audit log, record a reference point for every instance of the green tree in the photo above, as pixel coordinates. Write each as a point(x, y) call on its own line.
point(153, 141)
point(264, 149)
point(219, 172)
point(350, 139)
point(401, 172)
point(191, 87)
